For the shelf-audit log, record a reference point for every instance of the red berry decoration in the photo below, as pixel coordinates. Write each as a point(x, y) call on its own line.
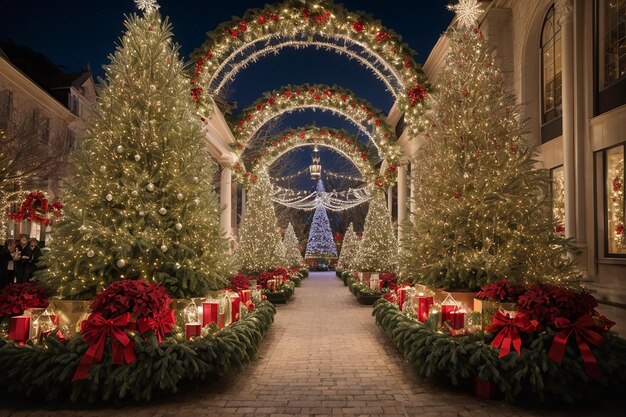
point(358, 26)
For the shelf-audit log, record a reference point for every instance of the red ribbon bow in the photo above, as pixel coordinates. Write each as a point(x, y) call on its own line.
point(95, 331)
point(161, 324)
point(586, 332)
point(509, 331)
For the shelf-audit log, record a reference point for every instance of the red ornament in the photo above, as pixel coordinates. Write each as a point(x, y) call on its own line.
point(306, 13)
point(199, 65)
point(416, 94)
point(259, 107)
point(344, 97)
point(317, 97)
point(321, 18)
point(288, 94)
point(196, 92)
point(363, 156)
point(381, 36)
point(271, 100)
point(243, 26)
point(407, 62)
point(377, 122)
point(261, 20)
point(208, 55)
point(619, 229)
point(233, 33)
point(456, 195)
point(358, 26)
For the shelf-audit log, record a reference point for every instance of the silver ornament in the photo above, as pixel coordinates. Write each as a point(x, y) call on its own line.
point(180, 196)
point(142, 213)
point(137, 157)
point(178, 226)
point(121, 263)
point(119, 149)
point(196, 179)
point(134, 193)
point(196, 200)
point(176, 265)
point(163, 248)
point(90, 253)
point(150, 187)
point(103, 168)
point(109, 197)
point(162, 211)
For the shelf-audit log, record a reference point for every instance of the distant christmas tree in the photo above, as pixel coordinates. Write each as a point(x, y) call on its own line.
point(292, 248)
point(481, 211)
point(320, 243)
point(349, 249)
point(140, 204)
point(260, 247)
point(378, 249)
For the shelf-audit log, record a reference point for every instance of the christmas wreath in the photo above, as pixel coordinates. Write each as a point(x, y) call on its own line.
point(36, 208)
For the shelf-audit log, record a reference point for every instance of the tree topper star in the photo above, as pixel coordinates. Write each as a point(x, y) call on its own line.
point(467, 12)
point(148, 6)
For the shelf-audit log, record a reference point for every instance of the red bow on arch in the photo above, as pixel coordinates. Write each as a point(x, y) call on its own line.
point(587, 333)
point(95, 331)
point(509, 331)
point(161, 324)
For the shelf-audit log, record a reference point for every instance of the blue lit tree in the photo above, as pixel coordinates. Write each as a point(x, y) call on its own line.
point(321, 243)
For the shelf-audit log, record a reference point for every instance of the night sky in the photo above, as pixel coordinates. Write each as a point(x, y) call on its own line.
point(73, 33)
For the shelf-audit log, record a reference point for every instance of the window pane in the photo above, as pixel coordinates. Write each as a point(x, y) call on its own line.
point(558, 200)
point(615, 200)
point(614, 40)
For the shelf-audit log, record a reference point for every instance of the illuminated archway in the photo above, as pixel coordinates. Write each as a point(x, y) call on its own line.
point(338, 140)
point(370, 121)
point(322, 24)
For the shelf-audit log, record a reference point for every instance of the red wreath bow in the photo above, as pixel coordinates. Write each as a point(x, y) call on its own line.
point(586, 332)
point(161, 324)
point(509, 331)
point(95, 331)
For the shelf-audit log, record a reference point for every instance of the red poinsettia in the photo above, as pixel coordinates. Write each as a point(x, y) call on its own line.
point(502, 290)
point(15, 298)
point(546, 302)
point(239, 282)
point(390, 280)
point(131, 296)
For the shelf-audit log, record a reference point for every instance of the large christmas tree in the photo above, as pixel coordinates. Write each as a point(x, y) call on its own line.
point(378, 249)
point(320, 243)
point(349, 248)
point(139, 204)
point(292, 248)
point(260, 246)
point(481, 211)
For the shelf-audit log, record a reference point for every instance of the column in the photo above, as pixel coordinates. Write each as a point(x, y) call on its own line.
point(225, 200)
point(564, 9)
point(243, 203)
point(402, 194)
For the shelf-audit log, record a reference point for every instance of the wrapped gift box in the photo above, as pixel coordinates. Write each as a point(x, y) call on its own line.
point(19, 328)
point(210, 312)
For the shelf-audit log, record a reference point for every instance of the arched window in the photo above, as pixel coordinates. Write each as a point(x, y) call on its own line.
point(551, 67)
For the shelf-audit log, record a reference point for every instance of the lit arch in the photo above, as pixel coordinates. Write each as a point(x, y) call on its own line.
point(338, 140)
point(320, 23)
point(370, 121)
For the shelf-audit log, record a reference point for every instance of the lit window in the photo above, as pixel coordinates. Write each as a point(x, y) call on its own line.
point(614, 175)
point(614, 42)
point(551, 67)
point(558, 199)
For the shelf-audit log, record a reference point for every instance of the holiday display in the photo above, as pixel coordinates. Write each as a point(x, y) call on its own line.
point(320, 243)
point(369, 121)
point(343, 142)
point(233, 45)
point(617, 202)
point(551, 346)
point(259, 242)
point(479, 212)
point(349, 249)
point(292, 248)
point(378, 249)
point(368, 290)
point(122, 213)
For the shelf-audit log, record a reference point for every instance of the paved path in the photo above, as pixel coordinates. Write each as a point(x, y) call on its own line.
point(323, 356)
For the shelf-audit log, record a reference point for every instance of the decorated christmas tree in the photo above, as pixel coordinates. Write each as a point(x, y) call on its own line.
point(139, 204)
point(320, 243)
point(292, 248)
point(481, 211)
point(349, 249)
point(378, 249)
point(260, 247)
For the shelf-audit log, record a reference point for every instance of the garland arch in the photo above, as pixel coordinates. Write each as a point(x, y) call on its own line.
point(320, 24)
point(338, 140)
point(368, 120)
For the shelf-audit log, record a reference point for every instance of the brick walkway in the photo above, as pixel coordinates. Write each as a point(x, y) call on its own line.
point(323, 356)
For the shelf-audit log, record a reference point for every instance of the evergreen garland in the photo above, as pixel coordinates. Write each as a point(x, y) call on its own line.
point(45, 371)
point(532, 376)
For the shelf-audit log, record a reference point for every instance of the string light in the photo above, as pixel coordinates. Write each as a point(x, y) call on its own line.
point(320, 242)
point(333, 201)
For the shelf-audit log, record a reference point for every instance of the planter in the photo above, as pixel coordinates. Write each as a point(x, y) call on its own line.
point(277, 297)
point(367, 300)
